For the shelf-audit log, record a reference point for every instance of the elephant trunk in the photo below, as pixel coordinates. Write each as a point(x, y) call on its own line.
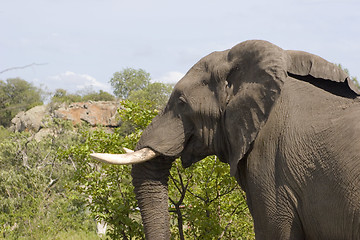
point(150, 180)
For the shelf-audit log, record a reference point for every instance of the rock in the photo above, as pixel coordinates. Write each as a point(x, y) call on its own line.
point(100, 113)
point(31, 120)
point(42, 133)
point(17, 123)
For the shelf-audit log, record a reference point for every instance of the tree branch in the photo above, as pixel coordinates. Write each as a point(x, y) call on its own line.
point(175, 183)
point(22, 67)
point(229, 223)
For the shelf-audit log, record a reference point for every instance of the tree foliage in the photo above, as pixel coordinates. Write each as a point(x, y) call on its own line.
point(207, 203)
point(129, 80)
point(36, 196)
point(157, 93)
point(135, 85)
point(98, 96)
point(62, 96)
point(108, 188)
point(17, 95)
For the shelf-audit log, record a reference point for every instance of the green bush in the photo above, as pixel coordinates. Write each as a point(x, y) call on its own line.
point(36, 196)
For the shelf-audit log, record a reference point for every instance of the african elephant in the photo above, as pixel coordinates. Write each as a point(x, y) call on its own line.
point(287, 123)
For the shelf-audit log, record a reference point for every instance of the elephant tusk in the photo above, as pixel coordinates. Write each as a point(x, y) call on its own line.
point(127, 150)
point(131, 157)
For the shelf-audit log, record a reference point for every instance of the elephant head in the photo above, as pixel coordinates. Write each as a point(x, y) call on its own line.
point(218, 108)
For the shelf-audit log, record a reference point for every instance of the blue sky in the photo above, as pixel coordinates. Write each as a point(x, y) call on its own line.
point(81, 43)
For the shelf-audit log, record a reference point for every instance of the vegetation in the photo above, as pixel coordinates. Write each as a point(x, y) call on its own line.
point(37, 193)
point(129, 80)
point(98, 96)
point(42, 192)
point(156, 93)
point(36, 187)
point(135, 85)
point(109, 187)
point(17, 95)
point(62, 96)
point(206, 203)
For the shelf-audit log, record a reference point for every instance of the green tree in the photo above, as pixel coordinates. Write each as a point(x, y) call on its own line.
point(17, 95)
point(129, 80)
point(98, 96)
point(207, 203)
point(36, 199)
point(135, 85)
point(157, 93)
point(62, 96)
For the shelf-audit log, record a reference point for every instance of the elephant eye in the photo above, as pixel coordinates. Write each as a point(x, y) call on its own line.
point(182, 100)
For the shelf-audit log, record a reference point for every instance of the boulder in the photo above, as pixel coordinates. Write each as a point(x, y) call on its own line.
point(31, 120)
point(42, 133)
point(101, 113)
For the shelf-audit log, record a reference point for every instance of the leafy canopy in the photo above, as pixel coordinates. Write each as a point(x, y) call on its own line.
point(37, 199)
point(62, 96)
point(129, 80)
point(135, 85)
point(17, 95)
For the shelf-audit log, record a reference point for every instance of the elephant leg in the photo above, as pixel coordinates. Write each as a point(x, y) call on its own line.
point(278, 227)
point(276, 215)
point(287, 217)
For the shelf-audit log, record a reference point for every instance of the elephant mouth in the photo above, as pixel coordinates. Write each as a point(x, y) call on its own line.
point(194, 151)
point(176, 139)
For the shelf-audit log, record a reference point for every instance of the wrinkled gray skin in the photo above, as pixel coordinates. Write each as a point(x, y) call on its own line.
point(288, 124)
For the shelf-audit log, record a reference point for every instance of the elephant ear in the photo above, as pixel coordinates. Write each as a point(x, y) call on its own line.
point(257, 70)
point(303, 64)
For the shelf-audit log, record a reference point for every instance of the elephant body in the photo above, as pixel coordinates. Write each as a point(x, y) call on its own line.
point(287, 123)
point(302, 175)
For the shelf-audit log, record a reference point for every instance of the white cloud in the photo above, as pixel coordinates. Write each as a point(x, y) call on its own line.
point(170, 77)
point(74, 82)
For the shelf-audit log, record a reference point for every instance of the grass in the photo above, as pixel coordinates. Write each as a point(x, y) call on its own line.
point(66, 235)
point(75, 235)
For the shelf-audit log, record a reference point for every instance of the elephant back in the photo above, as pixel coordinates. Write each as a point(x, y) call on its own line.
point(307, 66)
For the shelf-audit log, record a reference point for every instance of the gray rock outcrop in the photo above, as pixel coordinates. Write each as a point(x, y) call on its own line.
point(31, 120)
point(94, 113)
point(101, 113)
